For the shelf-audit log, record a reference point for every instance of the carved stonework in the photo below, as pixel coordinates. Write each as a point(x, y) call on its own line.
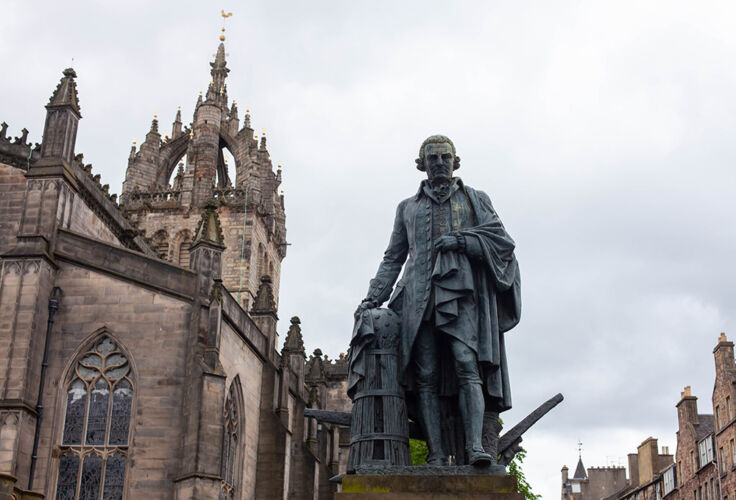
point(294, 343)
point(264, 302)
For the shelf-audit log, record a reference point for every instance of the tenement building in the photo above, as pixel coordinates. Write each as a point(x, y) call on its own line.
point(704, 466)
point(138, 342)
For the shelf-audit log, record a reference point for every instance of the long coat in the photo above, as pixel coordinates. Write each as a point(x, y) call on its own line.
point(495, 283)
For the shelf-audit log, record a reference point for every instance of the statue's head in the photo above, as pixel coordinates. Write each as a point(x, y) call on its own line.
point(437, 157)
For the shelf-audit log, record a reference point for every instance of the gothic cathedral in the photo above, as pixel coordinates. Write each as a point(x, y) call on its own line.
point(138, 342)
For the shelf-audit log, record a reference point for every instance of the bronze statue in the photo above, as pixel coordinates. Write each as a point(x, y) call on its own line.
point(459, 293)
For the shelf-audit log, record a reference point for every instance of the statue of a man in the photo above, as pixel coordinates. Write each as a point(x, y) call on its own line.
point(459, 293)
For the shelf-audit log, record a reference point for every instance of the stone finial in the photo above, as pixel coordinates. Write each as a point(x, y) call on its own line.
point(3, 130)
point(247, 119)
point(176, 126)
point(294, 343)
point(154, 125)
point(209, 229)
point(687, 392)
point(722, 338)
point(315, 366)
point(65, 94)
point(220, 63)
point(263, 141)
point(264, 301)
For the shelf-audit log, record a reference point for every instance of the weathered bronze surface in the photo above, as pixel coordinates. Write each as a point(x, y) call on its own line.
point(458, 295)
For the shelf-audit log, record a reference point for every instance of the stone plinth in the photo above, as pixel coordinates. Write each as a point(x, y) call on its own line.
point(429, 487)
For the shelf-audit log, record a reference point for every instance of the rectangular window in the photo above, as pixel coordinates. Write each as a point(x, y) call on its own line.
point(576, 487)
point(705, 451)
point(679, 472)
point(718, 418)
point(728, 408)
point(705, 491)
point(721, 465)
point(669, 479)
point(692, 462)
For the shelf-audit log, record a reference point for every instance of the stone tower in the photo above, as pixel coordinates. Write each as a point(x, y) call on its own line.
point(169, 181)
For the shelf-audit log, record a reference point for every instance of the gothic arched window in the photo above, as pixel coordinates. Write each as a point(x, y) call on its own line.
point(231, 443)
point(182, 243)
point(161, 244)
point(94, 442)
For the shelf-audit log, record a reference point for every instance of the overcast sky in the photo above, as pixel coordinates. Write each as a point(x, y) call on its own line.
point(602, 131)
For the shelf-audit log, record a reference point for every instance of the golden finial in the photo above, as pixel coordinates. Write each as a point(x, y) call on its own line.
point(224, 16)
point(200, 92)
point(133, 142)
point(247, 110)
point(263, 131)
point(279, 166)
point(166, 137)
point(155, 115)
point(191, 134)
point(282, 192)
point(178, 107)
point(255, 136)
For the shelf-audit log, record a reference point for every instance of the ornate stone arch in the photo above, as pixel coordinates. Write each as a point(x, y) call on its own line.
point(180, 248)
point(160, 243)
point(94, 431)
point(233, 448)
point(171, 153)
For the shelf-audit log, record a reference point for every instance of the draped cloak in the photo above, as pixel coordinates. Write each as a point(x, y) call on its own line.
point(479, 293)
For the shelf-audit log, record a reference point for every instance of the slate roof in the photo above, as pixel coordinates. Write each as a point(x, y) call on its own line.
point(580, 470)
point(704, 427)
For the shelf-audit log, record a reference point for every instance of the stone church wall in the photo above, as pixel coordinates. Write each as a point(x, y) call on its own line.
point(12, 190)
point(152, 327)
point(78, 217)
point(239, 360)
point(176, 222)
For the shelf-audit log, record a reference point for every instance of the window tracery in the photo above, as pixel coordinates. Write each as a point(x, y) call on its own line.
point(94, 442)
point(230, 441)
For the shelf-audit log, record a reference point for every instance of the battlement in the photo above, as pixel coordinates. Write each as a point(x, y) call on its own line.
point(17, 152)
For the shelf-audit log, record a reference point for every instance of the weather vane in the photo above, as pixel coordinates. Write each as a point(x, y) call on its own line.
point(224, 16)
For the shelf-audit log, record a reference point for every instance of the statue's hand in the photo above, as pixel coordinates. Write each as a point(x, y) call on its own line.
point(448, 243)
point(365, 305)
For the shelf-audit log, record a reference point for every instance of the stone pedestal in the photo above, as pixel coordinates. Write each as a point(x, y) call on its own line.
point(7, 486)
point(428, 487)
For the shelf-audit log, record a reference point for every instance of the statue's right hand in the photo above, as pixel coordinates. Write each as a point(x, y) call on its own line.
point(365, 305)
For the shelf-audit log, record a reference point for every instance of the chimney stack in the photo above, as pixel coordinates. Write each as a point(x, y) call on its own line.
point(687, 408)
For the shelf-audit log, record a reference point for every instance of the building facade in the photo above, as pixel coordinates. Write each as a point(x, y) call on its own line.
point(704, 466)
point(138, 340)
point(593, 484)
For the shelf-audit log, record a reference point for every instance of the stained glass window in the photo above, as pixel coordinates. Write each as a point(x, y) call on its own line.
point(96, 430)
point(230, 454)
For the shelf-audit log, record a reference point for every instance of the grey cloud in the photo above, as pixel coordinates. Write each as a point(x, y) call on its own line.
point(603, 134)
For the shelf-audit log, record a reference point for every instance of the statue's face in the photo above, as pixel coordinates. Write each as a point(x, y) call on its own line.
point(439, 161)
